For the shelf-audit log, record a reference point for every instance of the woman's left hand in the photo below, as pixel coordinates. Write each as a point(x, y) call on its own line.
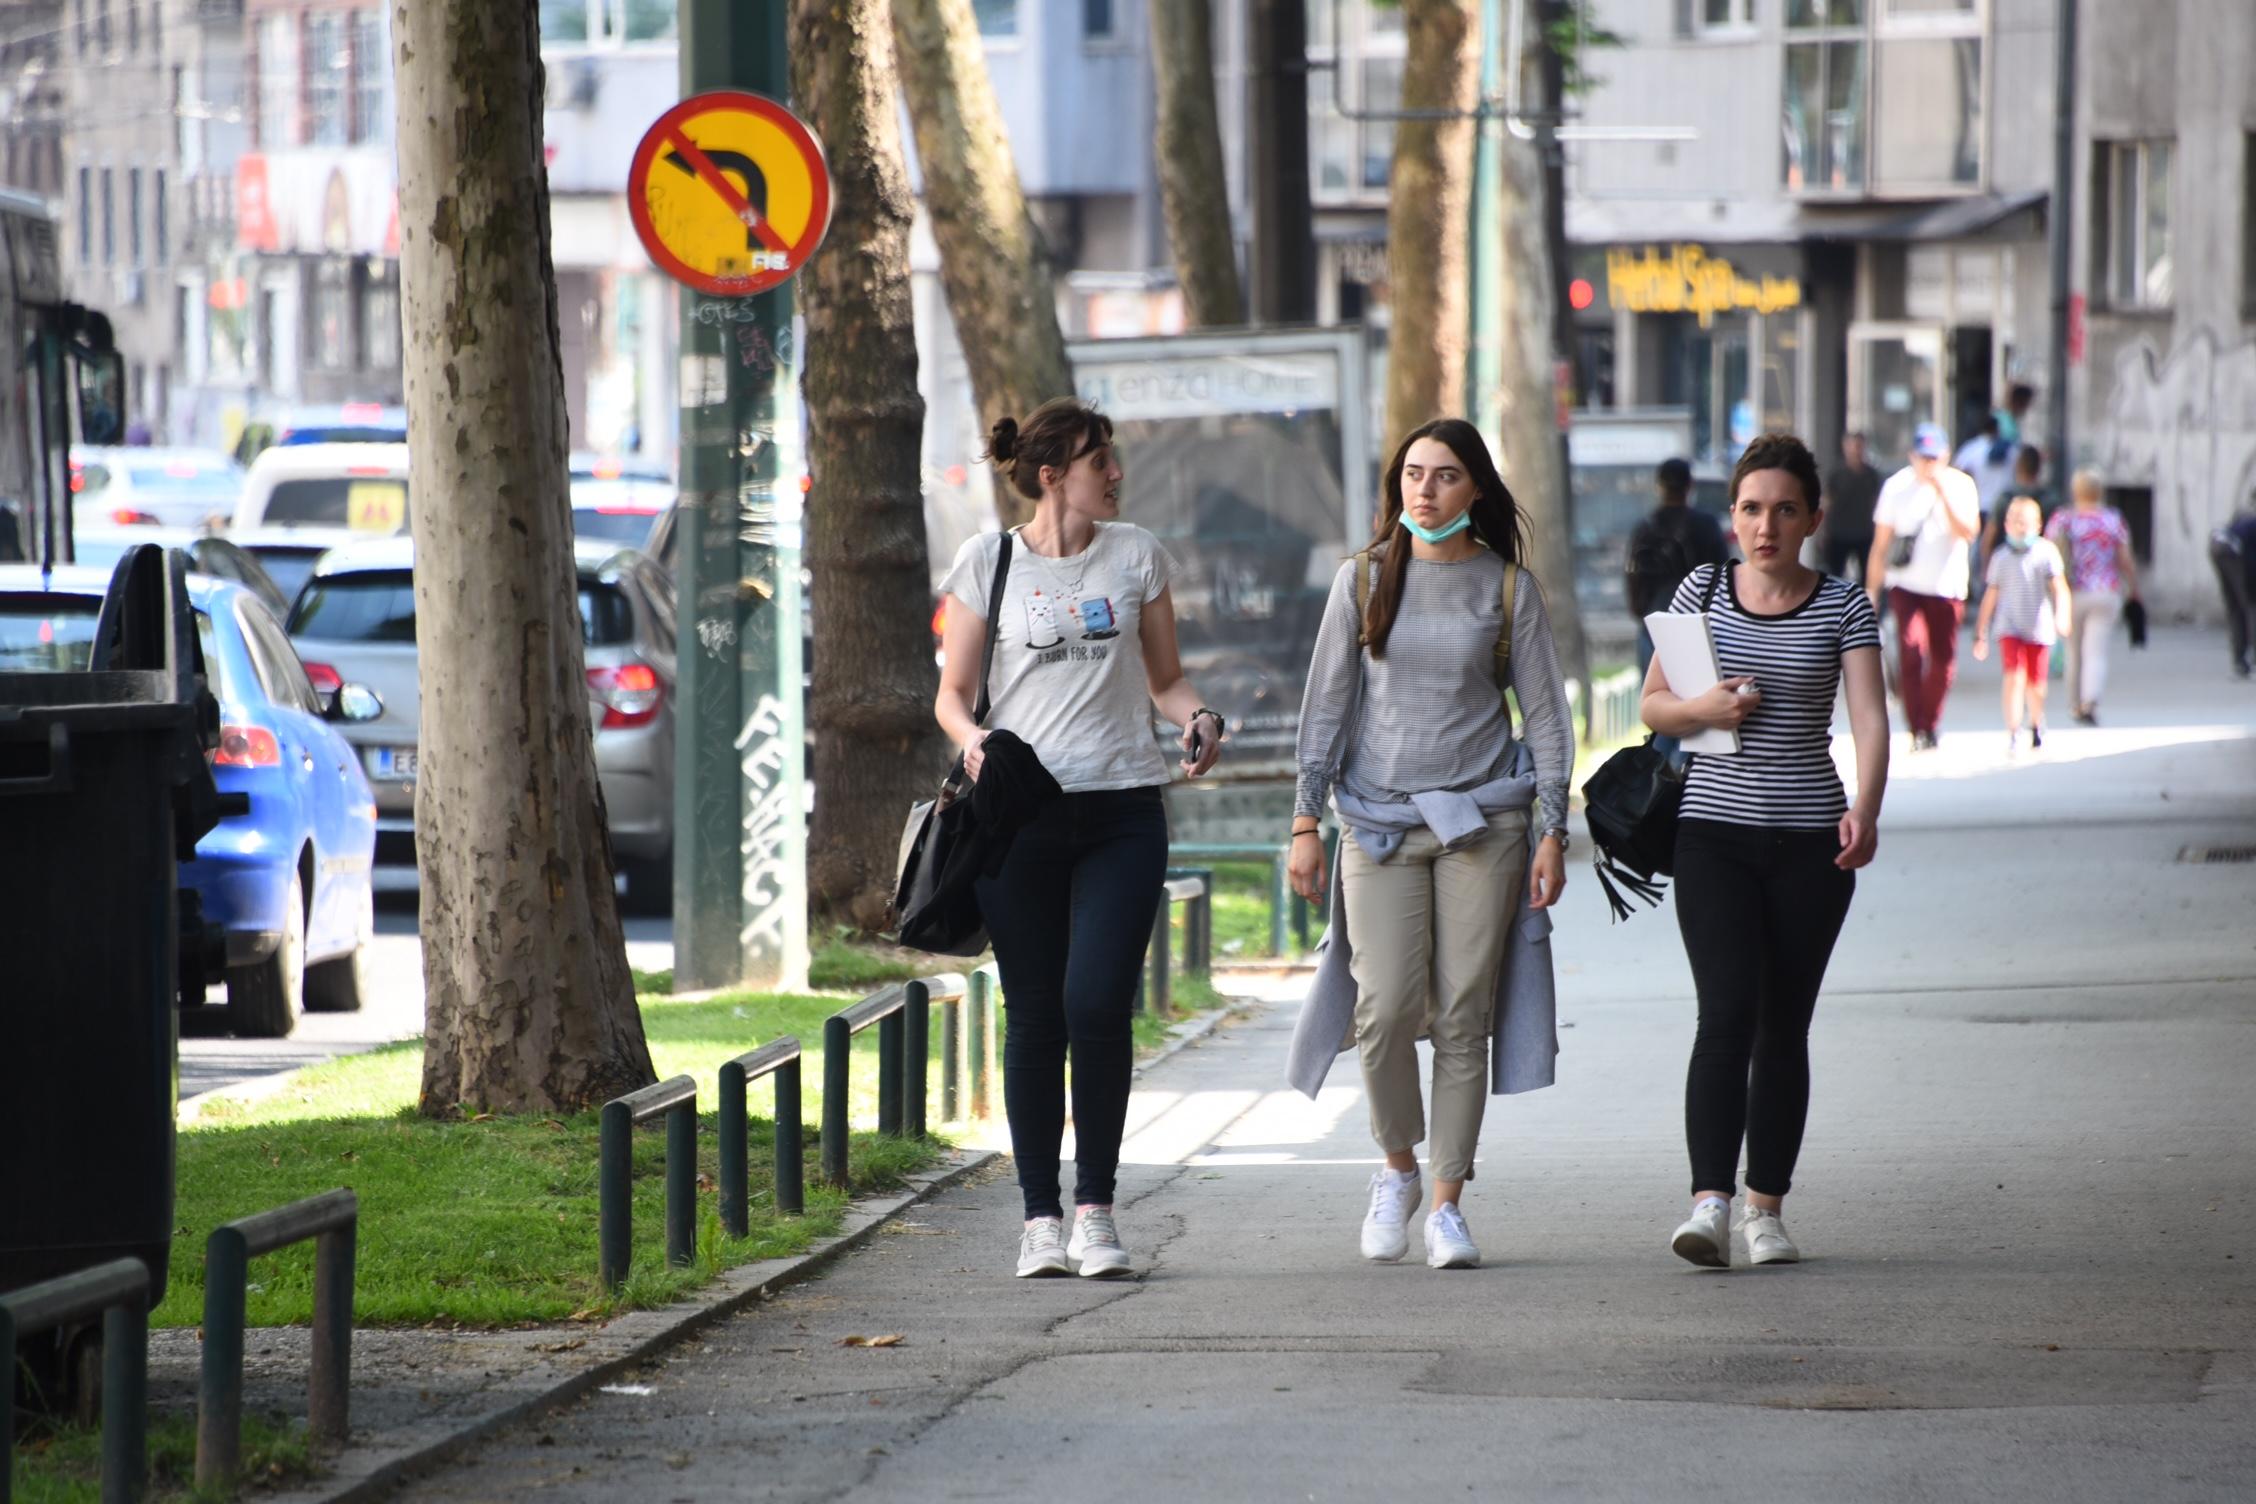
point(1210, 745)
point(1860, 838)
point(1547, 874)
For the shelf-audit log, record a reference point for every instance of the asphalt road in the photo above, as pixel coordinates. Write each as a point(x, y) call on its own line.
point(212, 1059)
point(2027, 1202)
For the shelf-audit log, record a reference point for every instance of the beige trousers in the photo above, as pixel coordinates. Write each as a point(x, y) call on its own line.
point(1429, 927)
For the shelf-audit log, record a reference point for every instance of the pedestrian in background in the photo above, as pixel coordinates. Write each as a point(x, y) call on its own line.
point(2028, 480)
point(2028, 603)
point(1922, 537)
point(1852, 490)
point(2232, 552)
point(1404, 724)
point(1669, 544)
point(1768, 845)
point(1085, 649)
point(2102, 575)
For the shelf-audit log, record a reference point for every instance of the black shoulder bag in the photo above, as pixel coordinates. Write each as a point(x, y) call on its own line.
point(948, 923)
point(1631, 803)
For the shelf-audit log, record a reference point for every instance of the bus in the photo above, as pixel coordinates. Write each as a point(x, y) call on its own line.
point(51, 351)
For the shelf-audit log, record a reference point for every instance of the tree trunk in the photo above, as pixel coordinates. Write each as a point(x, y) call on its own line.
point(1429, 208)
point(993, 266)
point(871, 709)
point(1529, 313)
point(529, 1006)
point(1192, 183)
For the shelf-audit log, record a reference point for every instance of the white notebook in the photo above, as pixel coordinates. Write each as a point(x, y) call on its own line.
point(1686, 648)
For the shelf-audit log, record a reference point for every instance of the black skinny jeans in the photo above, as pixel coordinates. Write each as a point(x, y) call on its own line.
point(1760, 910)
point(1070, 916)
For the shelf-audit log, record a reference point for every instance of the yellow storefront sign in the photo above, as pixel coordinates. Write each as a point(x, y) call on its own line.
point(1686, 279)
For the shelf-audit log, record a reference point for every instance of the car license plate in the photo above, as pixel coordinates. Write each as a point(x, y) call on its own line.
point(392, 762)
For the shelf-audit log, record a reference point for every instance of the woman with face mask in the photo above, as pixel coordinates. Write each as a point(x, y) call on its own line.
point(1448, 819)
point(1085, 650)
point(1767, 845)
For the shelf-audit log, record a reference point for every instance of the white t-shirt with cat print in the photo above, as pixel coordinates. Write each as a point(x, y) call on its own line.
point(1068, 678)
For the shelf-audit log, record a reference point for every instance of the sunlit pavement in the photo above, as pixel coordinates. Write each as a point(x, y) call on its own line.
point(2026, 1200)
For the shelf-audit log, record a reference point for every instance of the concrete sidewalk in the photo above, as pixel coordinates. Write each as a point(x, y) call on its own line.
point(2027, 1202)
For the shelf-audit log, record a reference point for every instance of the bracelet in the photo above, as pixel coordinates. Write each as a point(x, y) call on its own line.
point(1220, 725)
point(1318, 831)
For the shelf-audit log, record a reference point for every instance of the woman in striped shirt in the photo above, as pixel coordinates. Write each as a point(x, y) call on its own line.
point(1767, 845)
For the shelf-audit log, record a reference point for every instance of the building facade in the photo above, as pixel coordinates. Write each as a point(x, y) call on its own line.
point(2163, 332)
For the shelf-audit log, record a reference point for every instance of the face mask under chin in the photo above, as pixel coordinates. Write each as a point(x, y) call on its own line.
point(1440, 534)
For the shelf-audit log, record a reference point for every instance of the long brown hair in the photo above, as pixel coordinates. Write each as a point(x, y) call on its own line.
point(1496, 520)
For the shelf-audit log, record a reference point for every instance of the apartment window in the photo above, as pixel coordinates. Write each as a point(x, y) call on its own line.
point(2248, 226)
point(133, 215)
point(582, 23)
point(996, 18)
point(1712, 16)
point(109, 219)
point(1356, 67)
point(277, 81)
point(1883, 94)
point(327, 69)
point(86, 216)
point(370, 108)
point(1096, 20)
point(157, 221)
point(2133, 194)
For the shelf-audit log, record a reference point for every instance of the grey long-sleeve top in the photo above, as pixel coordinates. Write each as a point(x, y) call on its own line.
point(1429, 716)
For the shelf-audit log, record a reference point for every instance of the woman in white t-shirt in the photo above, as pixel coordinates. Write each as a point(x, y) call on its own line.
point(1084, 650)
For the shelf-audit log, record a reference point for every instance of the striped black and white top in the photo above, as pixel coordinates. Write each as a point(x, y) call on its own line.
point(1782, 775)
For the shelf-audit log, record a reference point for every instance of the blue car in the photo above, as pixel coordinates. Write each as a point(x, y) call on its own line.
point(290, 882)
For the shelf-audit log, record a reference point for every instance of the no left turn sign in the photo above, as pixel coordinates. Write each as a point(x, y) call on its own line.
point(729, 193)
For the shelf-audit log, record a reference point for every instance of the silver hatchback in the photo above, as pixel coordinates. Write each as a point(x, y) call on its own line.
point(354, 623)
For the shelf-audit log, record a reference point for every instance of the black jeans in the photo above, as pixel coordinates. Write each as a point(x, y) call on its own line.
point(1760, 910)
point(1070, 916)
point(1840, 552)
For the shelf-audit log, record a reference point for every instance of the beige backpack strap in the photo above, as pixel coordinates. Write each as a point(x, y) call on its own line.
point(1504, 628)
point(1363, 598)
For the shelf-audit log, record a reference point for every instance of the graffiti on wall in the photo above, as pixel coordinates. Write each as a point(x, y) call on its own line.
point(2184, 424)
point(773, 936)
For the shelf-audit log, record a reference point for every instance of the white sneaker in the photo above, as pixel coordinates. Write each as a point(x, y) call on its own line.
point(1095, 1244)
point(1449, 1245)
point(1705, 1236)
point(1041, 1250)
point(1386, 1226)
point(1767, 1242)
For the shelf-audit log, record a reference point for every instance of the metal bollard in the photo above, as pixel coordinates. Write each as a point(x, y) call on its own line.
point(838, 1045)
point(916, 1057)
point(951, 1060)
point(1280, 901)
point(676, 1097)
point(982, 1033)
point(119, 1290)
point(1161, 959)
point(681, 1185)
point(891, 1044)
point(781, 1059)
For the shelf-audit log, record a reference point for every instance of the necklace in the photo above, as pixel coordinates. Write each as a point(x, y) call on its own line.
point(1055, 569)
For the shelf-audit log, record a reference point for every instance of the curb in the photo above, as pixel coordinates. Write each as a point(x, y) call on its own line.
point(381, 1472)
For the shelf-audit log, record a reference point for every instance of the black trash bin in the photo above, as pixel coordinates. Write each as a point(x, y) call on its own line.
point(104, 787)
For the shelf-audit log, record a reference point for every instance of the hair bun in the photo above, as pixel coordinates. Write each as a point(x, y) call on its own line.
point(1002, 440)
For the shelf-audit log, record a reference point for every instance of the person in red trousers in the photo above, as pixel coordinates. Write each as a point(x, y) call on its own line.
point(1923, 532)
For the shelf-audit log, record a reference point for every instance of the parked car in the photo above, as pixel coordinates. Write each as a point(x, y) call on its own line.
point(362, 487)
point(288, 554)
point(215, 557)
point(355, 621)
point(142, 487)
point(336, 423)
point(623, 512)
point(291, 881)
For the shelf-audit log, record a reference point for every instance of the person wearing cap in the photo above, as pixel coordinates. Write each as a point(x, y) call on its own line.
point(1923, 531)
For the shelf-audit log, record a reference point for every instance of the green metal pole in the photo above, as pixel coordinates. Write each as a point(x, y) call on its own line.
point(681, 1184)
point(790, 1150)
point(736, 1171)
point(740, 889)
point(1484, 372)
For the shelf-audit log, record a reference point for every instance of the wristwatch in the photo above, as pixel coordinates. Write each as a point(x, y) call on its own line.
point(1559, 832)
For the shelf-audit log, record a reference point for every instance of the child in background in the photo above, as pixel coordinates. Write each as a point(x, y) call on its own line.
point(2028, 602)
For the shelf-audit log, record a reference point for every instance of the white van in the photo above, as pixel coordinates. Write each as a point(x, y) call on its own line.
point(362, 487)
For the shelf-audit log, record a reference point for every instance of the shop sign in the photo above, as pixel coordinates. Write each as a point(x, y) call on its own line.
point(1687, 279)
